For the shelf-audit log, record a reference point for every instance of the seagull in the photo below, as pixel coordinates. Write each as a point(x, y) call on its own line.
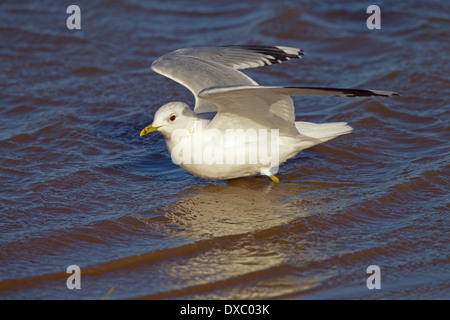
point(236, 121)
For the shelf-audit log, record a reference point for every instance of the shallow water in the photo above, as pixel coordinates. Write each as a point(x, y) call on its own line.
point(79, 187)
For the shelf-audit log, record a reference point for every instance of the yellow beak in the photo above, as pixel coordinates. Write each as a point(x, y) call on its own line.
point(148, 129)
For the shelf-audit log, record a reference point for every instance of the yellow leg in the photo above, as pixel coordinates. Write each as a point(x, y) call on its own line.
point(274, 179)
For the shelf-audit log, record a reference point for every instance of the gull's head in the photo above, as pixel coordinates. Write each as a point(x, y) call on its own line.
point(170, 117)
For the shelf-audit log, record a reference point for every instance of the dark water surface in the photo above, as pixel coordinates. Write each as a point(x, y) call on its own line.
point(79, 187)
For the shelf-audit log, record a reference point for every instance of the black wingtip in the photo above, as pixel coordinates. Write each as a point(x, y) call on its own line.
point(384, 93)
point(274, 54)
point(277, 54)
point(365, 92)
point(347, 92)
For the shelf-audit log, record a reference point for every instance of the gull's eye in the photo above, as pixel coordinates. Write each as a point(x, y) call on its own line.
point(173, 117)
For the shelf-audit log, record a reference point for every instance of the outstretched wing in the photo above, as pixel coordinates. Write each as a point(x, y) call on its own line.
point(201, 68)
point(215, 93)
point(266, 105)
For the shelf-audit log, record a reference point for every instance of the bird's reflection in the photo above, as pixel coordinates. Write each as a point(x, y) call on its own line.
point(234, 232)
point(235, 207)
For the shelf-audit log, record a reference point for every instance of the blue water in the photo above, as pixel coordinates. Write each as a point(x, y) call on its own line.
point(79, 186)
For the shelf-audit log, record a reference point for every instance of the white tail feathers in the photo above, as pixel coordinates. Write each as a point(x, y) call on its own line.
point(324, 131)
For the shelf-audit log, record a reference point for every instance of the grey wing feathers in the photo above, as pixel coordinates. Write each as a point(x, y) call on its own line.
point(210, 93)
point(241, 56)
point(201, 68)
point(251, 100)
point(212, 75)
